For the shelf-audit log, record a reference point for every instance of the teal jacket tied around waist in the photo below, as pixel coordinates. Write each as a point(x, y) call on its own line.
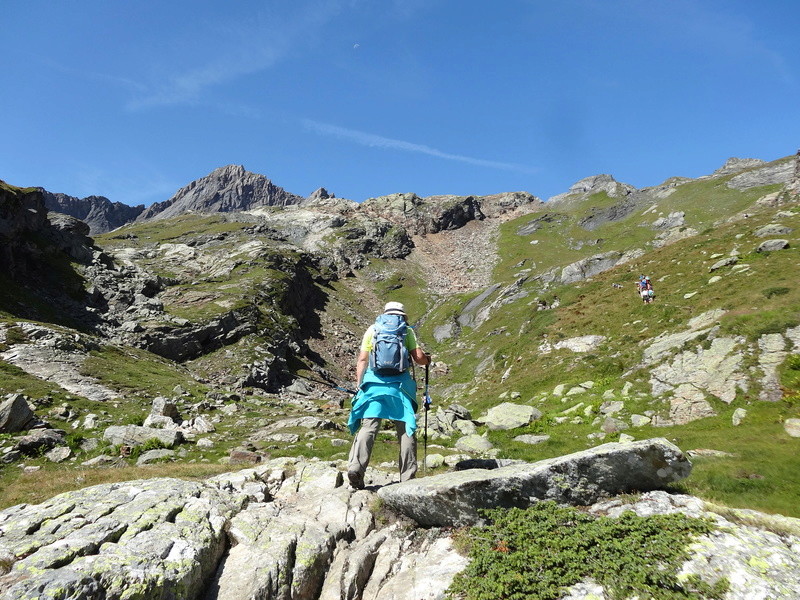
point(385, 397)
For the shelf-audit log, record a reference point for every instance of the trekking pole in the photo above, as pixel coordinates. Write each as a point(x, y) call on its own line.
point(427, 404)
point(330, 385)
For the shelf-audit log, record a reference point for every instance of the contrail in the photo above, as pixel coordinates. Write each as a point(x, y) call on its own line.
point(376, 141)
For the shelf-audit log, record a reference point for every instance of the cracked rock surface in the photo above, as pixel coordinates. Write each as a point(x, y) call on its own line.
point(291, 529)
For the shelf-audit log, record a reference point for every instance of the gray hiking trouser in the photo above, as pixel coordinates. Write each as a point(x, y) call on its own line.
point(365, 438)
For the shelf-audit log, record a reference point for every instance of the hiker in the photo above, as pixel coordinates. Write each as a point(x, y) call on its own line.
point(648, 286)
point(645, 288)
point(386, 390)
point(641, 288)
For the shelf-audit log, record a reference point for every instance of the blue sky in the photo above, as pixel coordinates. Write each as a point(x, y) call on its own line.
point(133, 100)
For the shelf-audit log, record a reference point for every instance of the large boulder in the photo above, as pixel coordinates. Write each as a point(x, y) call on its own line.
point(136, 435)
point(792, 427)
point(15, 414)
point(772, 245)
point(38, 441)
point(510, 416)
point(772, 230)
point(454, 499)
point(163, 415)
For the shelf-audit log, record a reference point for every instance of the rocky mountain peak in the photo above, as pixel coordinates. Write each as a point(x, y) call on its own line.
point(320, 194)
point(226, 189)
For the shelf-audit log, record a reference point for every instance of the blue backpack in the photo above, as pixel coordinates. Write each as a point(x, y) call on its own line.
point(389, 354)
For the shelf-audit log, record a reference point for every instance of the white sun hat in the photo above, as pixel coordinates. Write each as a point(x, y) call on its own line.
point(394, 308)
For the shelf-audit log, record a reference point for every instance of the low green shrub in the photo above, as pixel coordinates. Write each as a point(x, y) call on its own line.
point(540, 551)
point(775, 291)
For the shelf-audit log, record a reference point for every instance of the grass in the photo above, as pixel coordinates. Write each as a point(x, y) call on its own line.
point(138, 373)
point(7, 187)
point(401, 281)
point(17, 487)
point(759, 300)
point(169, 230)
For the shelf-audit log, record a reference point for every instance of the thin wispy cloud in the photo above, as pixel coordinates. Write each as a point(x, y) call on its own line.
point(377, 141)
point(114, 80)
point(188, 87)
point(245, 48)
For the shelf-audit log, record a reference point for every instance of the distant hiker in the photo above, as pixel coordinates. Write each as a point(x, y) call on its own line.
point(645, 288)
point(641, 289)
point(386, 390)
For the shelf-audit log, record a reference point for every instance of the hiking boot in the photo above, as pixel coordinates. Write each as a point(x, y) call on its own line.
point(356, 480)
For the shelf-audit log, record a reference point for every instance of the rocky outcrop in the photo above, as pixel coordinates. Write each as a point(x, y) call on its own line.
point(539, 222)
point(55, 356)
point(424, 215)
point(588, 267)
point(226, 189)
point(737, 165)
point(761, 174)
point(755, 552)
point(598, 217)
point(22, 212)
point(592, 185)
point(709, 367)
point(71, 236)
point(193, 340)
point(582, 344)
point(98, 212)
point(135, 435)
point(320, 194)
point(292, 529)
point(792, 189)
point(509, 204)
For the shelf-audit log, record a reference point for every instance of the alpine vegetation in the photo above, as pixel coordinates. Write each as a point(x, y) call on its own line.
point(223, 395)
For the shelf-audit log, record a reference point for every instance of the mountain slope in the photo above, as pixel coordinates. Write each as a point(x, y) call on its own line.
point(230, 313)
point(720, 336)
point(98, 212)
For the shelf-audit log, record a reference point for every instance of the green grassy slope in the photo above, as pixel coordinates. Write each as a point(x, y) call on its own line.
point(760, 296)
point(497, 360)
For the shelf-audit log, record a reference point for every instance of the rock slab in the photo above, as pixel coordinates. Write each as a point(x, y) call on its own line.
point(454, 499)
